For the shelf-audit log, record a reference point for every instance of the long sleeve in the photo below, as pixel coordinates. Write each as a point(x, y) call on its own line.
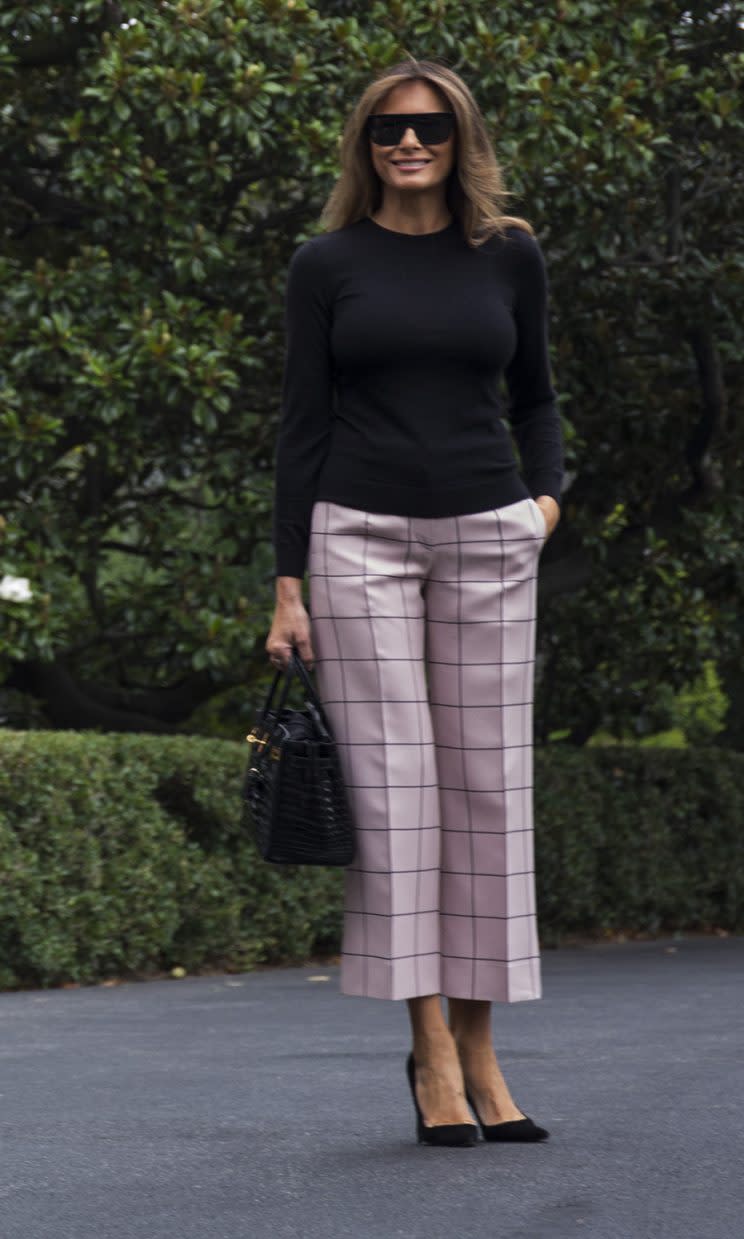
point(533, 411)
point(306, 407)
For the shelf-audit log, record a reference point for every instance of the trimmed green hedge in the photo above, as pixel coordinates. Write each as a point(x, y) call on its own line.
point(126, 854)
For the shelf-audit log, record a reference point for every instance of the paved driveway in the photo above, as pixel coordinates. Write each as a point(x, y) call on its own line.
point(269, 1105)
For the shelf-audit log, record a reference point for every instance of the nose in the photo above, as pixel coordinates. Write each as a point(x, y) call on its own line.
point(409, 137)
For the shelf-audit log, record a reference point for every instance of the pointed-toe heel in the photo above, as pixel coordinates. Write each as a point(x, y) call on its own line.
point(512, 1129)
point(463, 1135)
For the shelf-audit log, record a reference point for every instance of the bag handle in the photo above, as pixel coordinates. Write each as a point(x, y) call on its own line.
point(315, 701)
point(287, 672)
point(294, 665)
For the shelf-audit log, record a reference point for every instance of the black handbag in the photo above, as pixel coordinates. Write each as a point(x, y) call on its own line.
point(293, 791)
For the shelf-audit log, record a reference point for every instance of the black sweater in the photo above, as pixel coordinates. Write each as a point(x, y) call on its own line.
point(395, 348)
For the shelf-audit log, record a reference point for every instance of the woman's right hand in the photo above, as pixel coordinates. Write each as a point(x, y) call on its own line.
point(290, 625)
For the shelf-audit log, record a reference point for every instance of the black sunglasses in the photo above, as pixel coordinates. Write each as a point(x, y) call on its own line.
point(387, 128)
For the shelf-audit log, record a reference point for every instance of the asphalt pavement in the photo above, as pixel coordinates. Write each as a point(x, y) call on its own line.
point(268, 1105)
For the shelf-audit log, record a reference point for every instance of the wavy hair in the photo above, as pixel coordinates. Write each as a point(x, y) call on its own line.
point(475, 191)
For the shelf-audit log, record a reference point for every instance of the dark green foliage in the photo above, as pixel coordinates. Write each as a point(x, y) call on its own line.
point(125, 855)
point(639, 839)
point(161, 160)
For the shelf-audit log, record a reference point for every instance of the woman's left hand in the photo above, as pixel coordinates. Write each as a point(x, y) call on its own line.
point(551, 511)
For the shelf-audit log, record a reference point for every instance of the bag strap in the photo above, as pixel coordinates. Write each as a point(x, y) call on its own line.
point(295, 666)
point(303, 673)
point(287, 672)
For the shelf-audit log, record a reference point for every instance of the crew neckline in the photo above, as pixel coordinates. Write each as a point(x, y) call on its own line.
point(413, 236)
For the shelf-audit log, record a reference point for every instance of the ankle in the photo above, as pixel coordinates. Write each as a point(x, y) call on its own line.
point(471, 1044)
point(432, 1048)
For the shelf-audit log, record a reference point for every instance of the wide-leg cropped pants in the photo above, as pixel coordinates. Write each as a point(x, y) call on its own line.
point(423, 630)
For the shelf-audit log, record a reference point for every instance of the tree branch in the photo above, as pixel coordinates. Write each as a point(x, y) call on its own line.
point(697, 448)
point(46, 201)
point(61, 45)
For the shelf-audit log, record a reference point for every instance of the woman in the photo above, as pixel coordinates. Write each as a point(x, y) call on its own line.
point(397, 487)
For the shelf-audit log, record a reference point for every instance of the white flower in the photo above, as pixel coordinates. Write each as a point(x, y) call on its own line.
point(15, 588)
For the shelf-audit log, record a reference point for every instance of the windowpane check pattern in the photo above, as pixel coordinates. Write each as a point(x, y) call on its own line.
point(423, 630)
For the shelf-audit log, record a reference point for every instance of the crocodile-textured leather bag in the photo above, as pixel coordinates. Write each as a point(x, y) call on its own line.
point(293, 791)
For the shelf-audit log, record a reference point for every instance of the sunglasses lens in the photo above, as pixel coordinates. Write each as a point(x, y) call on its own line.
point(385, 130)
point(430, 128)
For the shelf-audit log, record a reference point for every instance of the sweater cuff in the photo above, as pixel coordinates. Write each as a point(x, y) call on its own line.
point(290, 564)
point(545, 484)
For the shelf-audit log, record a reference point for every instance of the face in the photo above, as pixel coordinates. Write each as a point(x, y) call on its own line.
point(436, 160)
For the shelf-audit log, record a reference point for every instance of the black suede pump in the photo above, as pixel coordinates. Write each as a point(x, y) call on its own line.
point(461, 1134)
point(512, 1129)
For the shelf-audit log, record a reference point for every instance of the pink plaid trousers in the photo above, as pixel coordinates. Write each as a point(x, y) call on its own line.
point(423, 630)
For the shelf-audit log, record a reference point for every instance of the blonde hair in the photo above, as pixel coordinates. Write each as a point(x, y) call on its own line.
point(476, 194)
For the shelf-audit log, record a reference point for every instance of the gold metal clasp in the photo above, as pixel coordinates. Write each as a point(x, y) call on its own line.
point(260, 741)
point(254, 738)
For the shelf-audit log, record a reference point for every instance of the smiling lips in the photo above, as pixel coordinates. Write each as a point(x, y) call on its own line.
point(410, 163)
